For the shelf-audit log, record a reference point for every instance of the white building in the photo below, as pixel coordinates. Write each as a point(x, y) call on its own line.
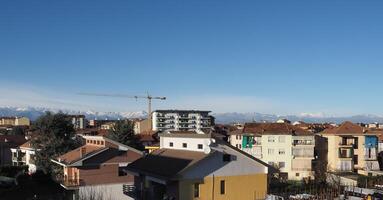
point(181, 120)
point(24, 155)
point(78, 121)
point(288, 148)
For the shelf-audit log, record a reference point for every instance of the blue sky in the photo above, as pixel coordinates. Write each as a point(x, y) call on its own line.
point(282, 57)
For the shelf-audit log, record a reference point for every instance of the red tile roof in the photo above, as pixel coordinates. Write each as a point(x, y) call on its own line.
point(271, 128)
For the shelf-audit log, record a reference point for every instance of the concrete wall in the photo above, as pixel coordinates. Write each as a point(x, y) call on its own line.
point(105, 192)
point(192, 143)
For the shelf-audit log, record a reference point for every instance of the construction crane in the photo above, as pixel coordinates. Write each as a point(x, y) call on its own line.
point(148, 97)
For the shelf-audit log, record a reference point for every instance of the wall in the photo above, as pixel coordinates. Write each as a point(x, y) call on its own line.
point(105, 192)
point(277, 145)
point(192, 143)
point(246, 187)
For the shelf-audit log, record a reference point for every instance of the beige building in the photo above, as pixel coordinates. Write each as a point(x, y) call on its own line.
point(193, 166)
point(349, 148)
point(14, 121)
point(287, 147)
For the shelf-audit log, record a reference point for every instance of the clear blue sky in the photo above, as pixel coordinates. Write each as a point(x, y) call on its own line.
point(283, 57)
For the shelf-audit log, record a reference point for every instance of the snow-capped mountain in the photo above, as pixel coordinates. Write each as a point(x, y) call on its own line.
point(319, 118)
point(34, 112)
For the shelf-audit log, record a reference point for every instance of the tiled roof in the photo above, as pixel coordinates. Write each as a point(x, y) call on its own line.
point(271, 128)
point(166, 163)
point(345, 128)
point(13, 139)
point(76, 154)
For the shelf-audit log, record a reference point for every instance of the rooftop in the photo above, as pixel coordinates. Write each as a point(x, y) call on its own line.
point(270, 129)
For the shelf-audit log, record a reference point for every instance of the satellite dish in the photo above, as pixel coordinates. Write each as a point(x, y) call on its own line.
point(207, 150)
point(212, 140)
point(207, 142)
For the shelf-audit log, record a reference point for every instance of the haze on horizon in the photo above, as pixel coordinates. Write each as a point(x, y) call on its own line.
point(245, 56)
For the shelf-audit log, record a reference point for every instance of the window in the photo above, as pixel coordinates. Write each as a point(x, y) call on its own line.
point(98, 142)
point(271, 139)
point(184, 145)
point(281, 151)
point(236, 137)
point(281, 139)
point(171, 144)
point(296, 174)
point(281, 164)
point(355, 159)
point(102, 142)
point(200, 146)
point(121, 172)
point(270, 151)
point(196, 190)
point(240, 137)
point(226, 157)
point(222, 186)
point(240, 146)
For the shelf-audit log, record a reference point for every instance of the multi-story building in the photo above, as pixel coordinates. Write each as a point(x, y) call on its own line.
point(287, 147)
point(349, 148)
point(96, 168)
point(14, 121)
point(78, 121)
point(24, 155)
point(191, 166)
point(181, 120)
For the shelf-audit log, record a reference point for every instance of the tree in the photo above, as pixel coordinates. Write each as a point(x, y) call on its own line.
point(123, 132)
point(55, 136)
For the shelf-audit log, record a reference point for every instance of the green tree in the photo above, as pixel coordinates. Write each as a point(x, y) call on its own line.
point(55, 136)
point(123, 132)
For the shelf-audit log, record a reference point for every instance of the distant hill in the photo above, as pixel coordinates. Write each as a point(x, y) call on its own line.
point(34, 112)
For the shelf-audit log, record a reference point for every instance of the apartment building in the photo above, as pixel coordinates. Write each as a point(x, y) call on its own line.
point(192, 166)
point(78, 121)
point(14, 121)
point(349, 148)
point(287, 147)
point(7, 143)
point(24, 155)
point(182, 120)
point(96, 168)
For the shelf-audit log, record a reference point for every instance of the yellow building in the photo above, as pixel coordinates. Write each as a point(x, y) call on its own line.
point(14, 121)
point(349, 148)
point(191, 166)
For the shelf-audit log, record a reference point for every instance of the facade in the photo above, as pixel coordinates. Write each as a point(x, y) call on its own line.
point(97, 167)
point(349, 148)
point(78, 121)
point(192, 166)
point(14, 121)
point(7, 143)
point(181, 120)
point(24, 155)
point(287, 147)
point(142, 126)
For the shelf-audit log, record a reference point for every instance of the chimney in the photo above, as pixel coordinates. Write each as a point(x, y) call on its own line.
point(82, 152)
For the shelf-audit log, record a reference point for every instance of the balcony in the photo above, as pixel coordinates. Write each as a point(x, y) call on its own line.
point(302, 142)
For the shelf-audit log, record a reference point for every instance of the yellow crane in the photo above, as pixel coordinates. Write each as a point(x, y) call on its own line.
point(148, 97)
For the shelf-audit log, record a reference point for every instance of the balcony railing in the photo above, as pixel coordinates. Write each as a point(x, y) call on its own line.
point(303, 143)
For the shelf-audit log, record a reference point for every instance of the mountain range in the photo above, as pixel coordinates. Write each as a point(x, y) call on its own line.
point(230, 117)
